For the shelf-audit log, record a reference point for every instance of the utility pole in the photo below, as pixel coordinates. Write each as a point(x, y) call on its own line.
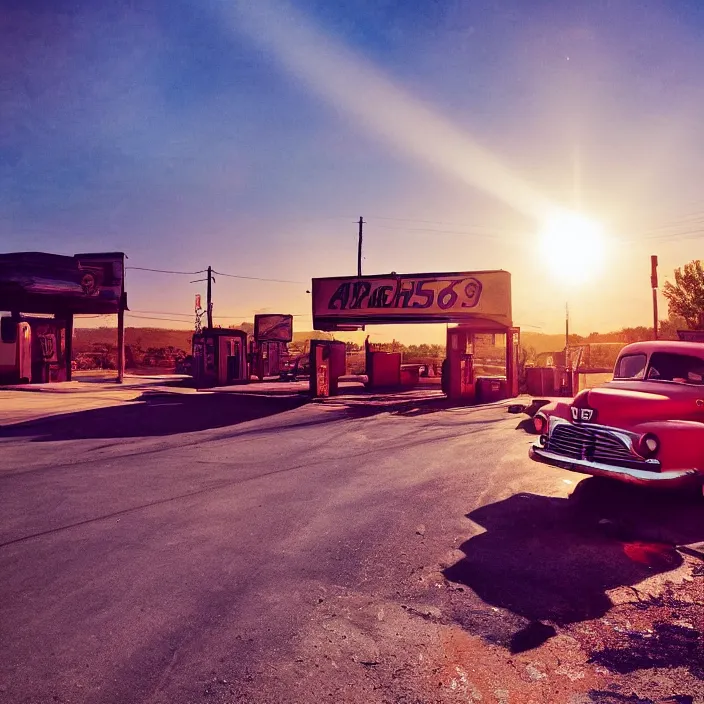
point(654, 286)
point(210, 298)
point(359, 246)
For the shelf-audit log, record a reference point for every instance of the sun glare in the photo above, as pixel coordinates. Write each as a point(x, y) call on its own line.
point(572, 246)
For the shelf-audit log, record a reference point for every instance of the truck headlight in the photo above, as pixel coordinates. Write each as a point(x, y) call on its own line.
point(648, 445)
point(540, 423)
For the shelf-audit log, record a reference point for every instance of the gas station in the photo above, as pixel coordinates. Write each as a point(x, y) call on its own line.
point(43, 292)
point(475, 303)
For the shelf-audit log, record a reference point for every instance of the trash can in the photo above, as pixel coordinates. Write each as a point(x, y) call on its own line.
point(491, 388)
point(410, 375)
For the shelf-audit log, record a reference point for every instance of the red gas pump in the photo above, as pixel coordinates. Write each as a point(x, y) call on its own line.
point(458, 373)
point(327, 365)
point(319, 369)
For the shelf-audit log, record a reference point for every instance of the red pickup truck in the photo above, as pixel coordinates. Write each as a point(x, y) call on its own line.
point(646, 426)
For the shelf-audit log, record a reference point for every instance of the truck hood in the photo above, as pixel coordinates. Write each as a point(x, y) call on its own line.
point(624, 404)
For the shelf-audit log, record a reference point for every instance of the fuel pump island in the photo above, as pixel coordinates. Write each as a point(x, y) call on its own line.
point(474, 302)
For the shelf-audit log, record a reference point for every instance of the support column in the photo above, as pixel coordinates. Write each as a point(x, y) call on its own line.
point(120, 344)
point(513, 352)
point(69, 345)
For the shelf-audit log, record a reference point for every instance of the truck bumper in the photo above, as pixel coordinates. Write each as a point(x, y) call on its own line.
point(673, 478)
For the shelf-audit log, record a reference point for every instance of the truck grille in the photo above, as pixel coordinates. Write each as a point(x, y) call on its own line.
point(592, 444)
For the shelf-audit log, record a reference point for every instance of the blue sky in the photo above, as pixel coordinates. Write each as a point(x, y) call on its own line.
point(173, 132)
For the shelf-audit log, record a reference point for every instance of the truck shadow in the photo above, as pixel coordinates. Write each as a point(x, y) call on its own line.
point(553, 560)
point(154, 413)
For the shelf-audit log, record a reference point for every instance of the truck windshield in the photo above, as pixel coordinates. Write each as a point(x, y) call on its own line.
point(631, 366)
point(682, 368)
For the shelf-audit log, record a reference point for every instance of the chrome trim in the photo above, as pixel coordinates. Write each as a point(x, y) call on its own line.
point(678, 477)
point(625, 455)
point(628, 438)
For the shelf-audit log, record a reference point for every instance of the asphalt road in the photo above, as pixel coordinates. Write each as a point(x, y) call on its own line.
point(180, 547)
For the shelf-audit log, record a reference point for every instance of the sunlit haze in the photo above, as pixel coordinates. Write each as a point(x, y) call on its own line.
point(251, 136)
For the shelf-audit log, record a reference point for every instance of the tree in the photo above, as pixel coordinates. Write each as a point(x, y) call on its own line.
point(686, 296)
point(668, 328)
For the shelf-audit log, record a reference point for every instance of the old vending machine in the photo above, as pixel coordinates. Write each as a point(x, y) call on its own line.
point(269, 354)
point(220, 357)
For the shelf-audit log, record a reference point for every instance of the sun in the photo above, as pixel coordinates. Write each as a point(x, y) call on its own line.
point(572, 246)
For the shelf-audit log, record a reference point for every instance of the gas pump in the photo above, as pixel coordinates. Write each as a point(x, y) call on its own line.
point(460, 381)
point(319, 369)
point(327, 365)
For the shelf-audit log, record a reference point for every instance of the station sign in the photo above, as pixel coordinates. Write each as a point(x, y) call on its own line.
point(273, 327)
point(463, 297)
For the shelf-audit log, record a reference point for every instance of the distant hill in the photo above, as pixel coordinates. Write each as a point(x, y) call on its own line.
point(85, 339)
point(144, 338)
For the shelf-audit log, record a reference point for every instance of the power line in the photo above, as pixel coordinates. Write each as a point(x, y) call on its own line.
point(674, 230)
point(256, 278)
point(678, 237)
point(684, 220)
point(166, 271)
point(220, 273)
point(497, 230)
point(487, 235)
point(147, 317)
point(241, 316)
point(672, 237)
point(161, 312)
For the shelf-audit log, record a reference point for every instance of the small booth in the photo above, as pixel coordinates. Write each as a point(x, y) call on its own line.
point(269, 350)
point(220, 357)
point(463, 378)
point(478, 303)
point(39, 349)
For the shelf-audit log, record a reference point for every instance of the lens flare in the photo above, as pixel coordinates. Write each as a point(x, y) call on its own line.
point(356, 88)
point(572, 246)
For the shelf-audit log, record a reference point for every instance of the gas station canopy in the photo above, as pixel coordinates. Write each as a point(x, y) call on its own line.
point(61, 286)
